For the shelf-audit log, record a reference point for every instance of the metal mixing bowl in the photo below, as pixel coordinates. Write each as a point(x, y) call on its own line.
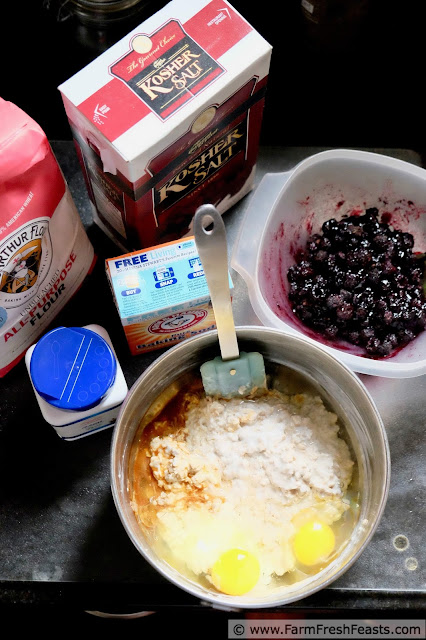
point(341, 390)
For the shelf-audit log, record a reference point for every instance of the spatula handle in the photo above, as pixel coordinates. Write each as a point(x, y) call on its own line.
point(213, 253)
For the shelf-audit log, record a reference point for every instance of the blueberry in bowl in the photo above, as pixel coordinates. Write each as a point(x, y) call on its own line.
point(359, 280)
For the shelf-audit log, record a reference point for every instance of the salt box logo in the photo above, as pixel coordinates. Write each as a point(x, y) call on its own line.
point(21, 258)
point(166, 69)
point(200, 168)
point(99, 113)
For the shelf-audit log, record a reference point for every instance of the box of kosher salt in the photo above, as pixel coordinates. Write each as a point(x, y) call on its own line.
point(169, 118)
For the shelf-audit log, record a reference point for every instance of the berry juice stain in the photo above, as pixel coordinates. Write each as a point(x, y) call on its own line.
point(386, 218)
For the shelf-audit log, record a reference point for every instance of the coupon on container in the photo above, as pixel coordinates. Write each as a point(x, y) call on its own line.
point(161, 295)
point(169, 118)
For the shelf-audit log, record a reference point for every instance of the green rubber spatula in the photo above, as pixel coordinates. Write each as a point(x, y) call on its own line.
point(233, 374)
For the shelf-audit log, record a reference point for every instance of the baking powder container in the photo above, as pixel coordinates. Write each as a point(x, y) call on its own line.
point(77, 379)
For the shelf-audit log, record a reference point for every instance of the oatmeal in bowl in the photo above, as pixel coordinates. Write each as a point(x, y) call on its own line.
point(267, 477)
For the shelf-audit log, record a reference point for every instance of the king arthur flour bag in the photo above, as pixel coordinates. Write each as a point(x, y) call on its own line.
point(44, 251)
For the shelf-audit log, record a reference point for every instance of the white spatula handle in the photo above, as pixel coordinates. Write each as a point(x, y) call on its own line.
point(212, 251)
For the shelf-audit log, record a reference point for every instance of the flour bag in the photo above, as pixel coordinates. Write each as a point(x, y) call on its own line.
point(45, 253)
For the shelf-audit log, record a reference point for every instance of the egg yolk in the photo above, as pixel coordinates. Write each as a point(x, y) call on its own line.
point(313, 543)
point(235, 572)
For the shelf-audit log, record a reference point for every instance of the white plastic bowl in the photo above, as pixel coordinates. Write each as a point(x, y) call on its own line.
point(287, 208)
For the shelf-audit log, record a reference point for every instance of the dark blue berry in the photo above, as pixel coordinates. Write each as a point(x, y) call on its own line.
point(358, 280)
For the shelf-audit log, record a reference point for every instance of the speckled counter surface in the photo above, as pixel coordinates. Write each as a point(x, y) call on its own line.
point(61, 540)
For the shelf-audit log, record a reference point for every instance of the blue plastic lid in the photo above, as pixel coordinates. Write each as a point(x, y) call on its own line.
point(72, 368)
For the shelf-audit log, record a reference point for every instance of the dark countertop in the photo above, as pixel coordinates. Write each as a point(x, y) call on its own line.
point(61, 539)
